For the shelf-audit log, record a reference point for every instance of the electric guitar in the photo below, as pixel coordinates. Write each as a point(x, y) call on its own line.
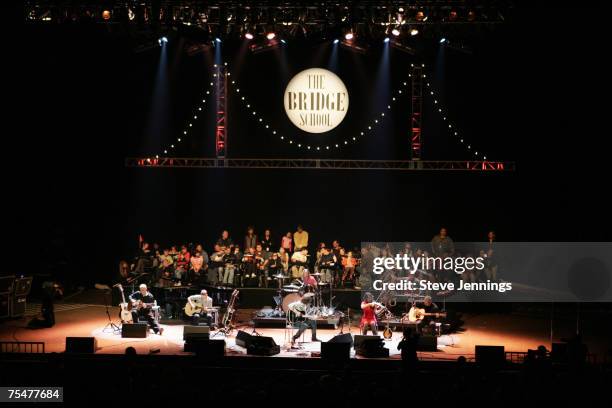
point(417, 314)
point(228, 317)
point(125, 314)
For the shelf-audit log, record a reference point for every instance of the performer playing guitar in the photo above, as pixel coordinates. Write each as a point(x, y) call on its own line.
point(142, 302)
point(302, 320)
point(199, 306)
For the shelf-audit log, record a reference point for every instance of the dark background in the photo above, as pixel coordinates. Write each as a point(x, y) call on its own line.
point(534, 91)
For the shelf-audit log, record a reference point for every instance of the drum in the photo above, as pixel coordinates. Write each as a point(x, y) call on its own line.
point(290, 298)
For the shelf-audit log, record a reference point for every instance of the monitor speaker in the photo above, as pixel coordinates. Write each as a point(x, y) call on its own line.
point(360, 339)
point(196, 331)
point(135, 331)
point(243, 339)
point(427, 343)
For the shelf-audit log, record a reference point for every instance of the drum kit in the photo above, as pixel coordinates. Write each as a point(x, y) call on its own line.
point(294, 291)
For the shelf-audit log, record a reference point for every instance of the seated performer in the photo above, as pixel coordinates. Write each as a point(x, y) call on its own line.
point(429, 307)
point(368, 319)
point(142, 302)
point(203, 303)
point(299, 310)
point(310, 283)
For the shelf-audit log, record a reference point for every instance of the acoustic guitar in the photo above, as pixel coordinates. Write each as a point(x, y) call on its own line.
point(416, 313)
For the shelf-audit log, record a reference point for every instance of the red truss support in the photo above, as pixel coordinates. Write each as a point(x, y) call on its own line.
point(416, 143)
point(221, 118)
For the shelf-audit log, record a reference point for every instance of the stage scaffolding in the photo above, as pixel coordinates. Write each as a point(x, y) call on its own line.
point(321, 164)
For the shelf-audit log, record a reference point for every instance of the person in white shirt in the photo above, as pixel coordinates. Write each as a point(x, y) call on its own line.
point(202, 302)
point(300, 261)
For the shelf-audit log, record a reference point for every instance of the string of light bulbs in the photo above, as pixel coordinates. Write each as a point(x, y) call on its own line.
point(449, 125)
point(196, 116)
point(323, 147)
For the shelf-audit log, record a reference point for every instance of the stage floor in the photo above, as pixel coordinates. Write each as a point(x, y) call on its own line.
point(516, 333)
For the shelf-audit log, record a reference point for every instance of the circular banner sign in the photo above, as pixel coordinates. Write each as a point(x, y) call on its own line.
point(316, 100)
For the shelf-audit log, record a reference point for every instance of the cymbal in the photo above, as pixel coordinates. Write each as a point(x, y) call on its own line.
point(291, 287)
point(316, 274)
point(290, 290)
point(280, 276)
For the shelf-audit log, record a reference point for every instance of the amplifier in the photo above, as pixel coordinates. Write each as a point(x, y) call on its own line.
point(18, 306)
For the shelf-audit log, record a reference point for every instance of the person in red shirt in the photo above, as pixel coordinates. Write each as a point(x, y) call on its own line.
point(310, 283)
point(368, 318)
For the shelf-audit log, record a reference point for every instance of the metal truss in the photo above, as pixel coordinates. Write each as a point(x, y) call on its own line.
point(321, 164)
point(221, 111)
point(416, 114)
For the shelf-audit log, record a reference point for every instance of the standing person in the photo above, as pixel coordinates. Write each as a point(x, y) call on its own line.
point(197, 264)
point(225, 241)
point(442, 245)
point(349, 263)
point(266, 241)
point(368, 318)
point(284, 258)
point(287, 242)
point(327, 264)
point(300, 261)
point(300, 238)
point(250, 239)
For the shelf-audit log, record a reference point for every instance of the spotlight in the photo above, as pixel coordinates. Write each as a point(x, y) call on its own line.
point(248, 36)
point(386, 40)
point(442, 40)
point(284, 42)
point(414, 32)
point(395, 32)
point(270, 36)
point(348, 36)
point(336, 41)
point(217, 39)
point(162, 40)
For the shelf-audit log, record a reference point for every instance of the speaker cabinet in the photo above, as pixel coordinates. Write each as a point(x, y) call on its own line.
point(134, 331)
point(360, 340)
point(427, 343)
point(18, 306)
point(5, 305)
point(243, 339)
point(83, 345)
point(190, 332)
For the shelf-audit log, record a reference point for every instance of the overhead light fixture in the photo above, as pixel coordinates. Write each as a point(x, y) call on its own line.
point(271, 35)
point(349, 36)
point(414, 32)
point(395, 32)
point(249, 36)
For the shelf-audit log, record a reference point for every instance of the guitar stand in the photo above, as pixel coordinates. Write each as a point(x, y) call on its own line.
point(110, 325)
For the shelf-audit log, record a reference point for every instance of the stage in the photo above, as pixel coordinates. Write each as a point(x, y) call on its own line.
point(515, 332)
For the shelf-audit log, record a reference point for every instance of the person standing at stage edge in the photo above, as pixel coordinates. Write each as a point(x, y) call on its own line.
point(300, 238)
